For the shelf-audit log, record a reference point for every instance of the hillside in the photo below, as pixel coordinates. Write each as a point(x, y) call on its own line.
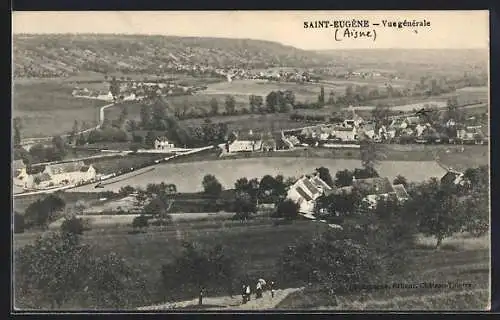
point(413, 63)
point(65, 54)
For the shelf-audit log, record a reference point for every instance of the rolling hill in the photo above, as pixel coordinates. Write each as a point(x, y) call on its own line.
point(65, 54)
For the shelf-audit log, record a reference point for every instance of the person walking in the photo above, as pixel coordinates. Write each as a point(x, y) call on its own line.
point(258, 290)
point(244, 294)
point(200, 297)
point(271, 286)
point(248, 292)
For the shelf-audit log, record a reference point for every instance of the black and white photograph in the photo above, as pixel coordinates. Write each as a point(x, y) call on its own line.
point(250, 161)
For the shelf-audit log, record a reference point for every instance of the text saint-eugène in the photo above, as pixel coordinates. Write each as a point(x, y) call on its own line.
point(353, 23)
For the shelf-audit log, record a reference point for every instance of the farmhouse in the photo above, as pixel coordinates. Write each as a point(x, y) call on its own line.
point(305, 191)
point(250, 142)
point(70, 173)
point(375, 189)
point(344, 133)
point(162, 143)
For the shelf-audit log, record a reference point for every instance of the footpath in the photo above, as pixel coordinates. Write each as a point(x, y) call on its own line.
point(228, 303)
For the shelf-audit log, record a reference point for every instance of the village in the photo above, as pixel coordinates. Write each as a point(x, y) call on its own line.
point(191, 172)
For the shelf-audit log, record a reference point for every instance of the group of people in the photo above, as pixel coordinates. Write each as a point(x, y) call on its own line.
point(260, 287)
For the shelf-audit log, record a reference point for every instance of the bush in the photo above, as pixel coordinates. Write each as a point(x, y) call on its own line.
point(73, 225)
point(19, 224)
point(140, 221)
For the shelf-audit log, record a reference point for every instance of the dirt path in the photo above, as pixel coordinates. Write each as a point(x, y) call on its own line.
point(226, 302)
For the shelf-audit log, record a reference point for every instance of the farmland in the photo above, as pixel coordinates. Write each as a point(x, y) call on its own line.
point(47, 108)
point(462, 260)
point(229, 171)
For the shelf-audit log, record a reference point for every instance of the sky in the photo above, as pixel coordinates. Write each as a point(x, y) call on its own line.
point(448, 29)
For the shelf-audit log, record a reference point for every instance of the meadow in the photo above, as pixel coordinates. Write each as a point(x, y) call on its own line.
point(188, 176)
point(462, 260)
point(256, 244)
point(47, 108)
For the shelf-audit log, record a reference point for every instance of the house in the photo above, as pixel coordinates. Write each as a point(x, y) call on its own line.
point(305, 191)
point(18, 168)
point(453, 177)
point(412, 120)
point(268, 143)
point(344, 134)
point(105, 96)
point(367, 130)
point(250, 142)
point(375, 189)
point(40, 180)
point(162, 143)
point(70, 173)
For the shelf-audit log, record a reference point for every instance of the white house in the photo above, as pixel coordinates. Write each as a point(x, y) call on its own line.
point(345, 134)
point(105, 96)
point(162, 143)
point(305, 191)
point(70, 173)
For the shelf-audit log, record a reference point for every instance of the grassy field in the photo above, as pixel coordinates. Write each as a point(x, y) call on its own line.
point(256, 243)
point(47, 108)
point(463, 261)
point(188, 176)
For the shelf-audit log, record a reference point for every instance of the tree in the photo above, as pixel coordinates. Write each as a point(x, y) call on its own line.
point(272, 101)
point(321, 97)
point(73, 225)
point(287, 209)
point(251, 102)
point(140, 222)
point(19, 224)
point(59, 147)
point(74, 132)
point(123, 115)
point(230, 104)
point(324, 174)
point(141, 198)
point(210, 267)
point(43, 211)
point(339, 204)
point(244, 206)
point(331, 98)
point(381, 114)
point(145, 116)
point(371, 153)
point(59, 270)
point(214, 106)
point(17, 126)
point(149, 139)
point(343, 178)
point(438, 210)
point(212, 186)
point(400, 180)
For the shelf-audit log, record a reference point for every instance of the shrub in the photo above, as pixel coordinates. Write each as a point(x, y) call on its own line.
point(140, 222)
point(19, 224)
point(73, 225)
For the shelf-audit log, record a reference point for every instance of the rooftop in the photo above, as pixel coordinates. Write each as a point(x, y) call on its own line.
point(66, 167)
